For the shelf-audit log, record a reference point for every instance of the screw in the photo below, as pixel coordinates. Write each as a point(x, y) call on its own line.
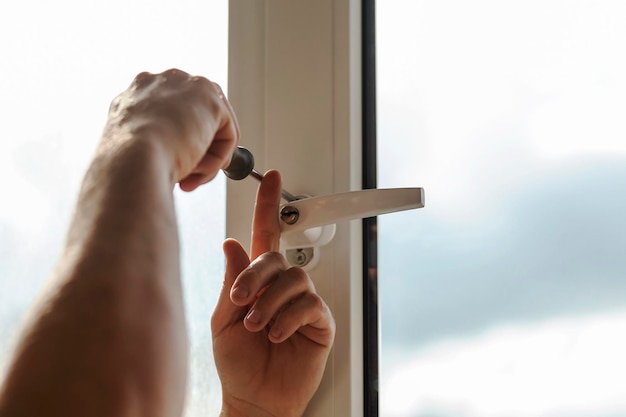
point(301, 258)
point(289, 214)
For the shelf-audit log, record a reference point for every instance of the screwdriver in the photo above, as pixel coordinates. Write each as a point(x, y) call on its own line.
point(242, 165)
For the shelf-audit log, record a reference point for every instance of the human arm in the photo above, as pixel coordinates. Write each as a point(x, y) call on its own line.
point(264, 373)
point(108, 337)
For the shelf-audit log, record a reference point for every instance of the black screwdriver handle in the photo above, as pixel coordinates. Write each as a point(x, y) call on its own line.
point(241, 165)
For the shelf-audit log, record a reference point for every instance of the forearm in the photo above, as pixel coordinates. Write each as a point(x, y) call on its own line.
point(124, 352)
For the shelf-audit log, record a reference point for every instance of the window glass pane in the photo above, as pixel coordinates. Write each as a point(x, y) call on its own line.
point(62, 63)
point(505, 295)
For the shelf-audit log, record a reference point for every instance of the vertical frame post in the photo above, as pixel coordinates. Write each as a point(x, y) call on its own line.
point(295, 84)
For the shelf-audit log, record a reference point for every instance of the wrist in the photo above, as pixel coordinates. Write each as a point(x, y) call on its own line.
point(140, 148)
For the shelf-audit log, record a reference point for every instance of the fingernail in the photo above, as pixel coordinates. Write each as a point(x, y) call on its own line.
point(240, 292)
point(254, 317)
point(276, 333)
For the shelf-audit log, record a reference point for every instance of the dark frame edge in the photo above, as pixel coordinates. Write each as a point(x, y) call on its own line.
point(370, 241)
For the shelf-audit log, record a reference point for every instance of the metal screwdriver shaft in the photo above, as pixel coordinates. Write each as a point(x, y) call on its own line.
point(242, 165)
point(286, 194)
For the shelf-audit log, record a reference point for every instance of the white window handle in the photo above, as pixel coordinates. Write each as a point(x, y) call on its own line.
point(307, 213)
point(309, 223)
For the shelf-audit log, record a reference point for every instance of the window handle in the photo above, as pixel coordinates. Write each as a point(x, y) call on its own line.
point(308, 223)
point(329, 209)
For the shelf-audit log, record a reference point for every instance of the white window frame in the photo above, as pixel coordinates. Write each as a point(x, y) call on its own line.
point(295, 83)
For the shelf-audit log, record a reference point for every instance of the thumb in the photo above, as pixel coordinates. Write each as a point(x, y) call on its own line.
point(226, 312)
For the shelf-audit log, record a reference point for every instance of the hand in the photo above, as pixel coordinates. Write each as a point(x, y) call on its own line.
point(189, 117)
point(272, 333)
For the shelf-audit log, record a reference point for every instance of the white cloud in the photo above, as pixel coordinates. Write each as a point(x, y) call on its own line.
point(564, 367)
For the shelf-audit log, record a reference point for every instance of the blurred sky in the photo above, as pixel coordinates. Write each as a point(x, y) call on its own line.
point(506, 294)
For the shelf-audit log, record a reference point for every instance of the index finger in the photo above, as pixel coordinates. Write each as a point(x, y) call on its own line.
point(265, 227)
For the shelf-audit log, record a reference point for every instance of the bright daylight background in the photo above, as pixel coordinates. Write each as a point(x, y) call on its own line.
point(506, 295)
point(62, 63)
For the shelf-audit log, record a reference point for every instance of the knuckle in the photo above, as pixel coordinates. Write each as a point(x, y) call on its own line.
point(175, 73)
point(142, 81)
point(143, 77)
point(217, 88)
point(273, 257)
point(300, 277)
point(115, 105)
point(202, 82)
point(215, 93)
point(248, 275)
point(316, 302)
point(203, 85)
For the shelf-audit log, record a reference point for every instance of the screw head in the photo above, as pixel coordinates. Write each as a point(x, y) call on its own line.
point(289, 215)
point(300, 257)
